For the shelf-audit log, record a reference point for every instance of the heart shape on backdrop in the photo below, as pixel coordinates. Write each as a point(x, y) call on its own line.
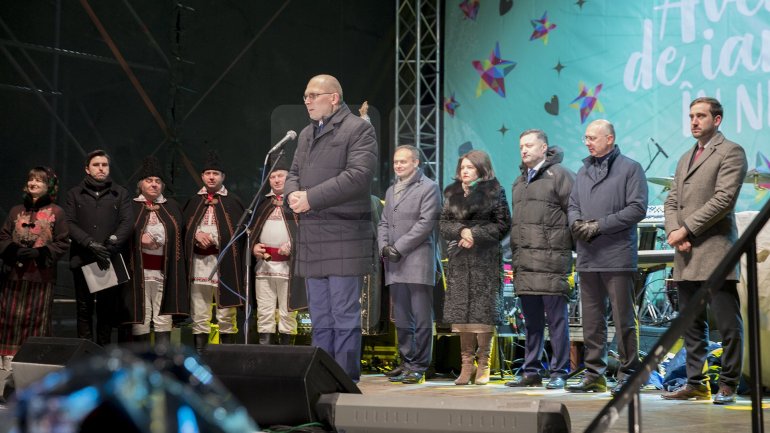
point(505, 6)
point(552, 106)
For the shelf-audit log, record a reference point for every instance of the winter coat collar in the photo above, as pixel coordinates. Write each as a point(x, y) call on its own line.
point(554, 155)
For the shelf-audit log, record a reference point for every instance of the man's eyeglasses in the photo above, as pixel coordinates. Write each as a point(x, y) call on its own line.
point(312, 96)
point(591, 139)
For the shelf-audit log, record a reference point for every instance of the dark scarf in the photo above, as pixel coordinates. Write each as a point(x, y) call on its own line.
point(39, 204)
point(97, 185)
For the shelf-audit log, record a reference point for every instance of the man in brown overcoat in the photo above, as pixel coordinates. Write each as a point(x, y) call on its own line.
point(700, 223)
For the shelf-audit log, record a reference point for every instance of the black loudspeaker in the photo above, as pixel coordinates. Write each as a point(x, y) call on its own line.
point(39, 356)
point(278, 384)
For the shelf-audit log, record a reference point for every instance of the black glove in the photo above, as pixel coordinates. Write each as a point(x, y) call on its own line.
point(102, 255)
point(585, 230)
point(25, 253)
point(99, 250)
point(575, 229)
point(390, 253)
point(591, 229)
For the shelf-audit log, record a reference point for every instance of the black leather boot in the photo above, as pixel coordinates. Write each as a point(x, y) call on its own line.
point(163, 338)
point(201, 341)
point(286, 339)
point(227, 338)
point(265, 338)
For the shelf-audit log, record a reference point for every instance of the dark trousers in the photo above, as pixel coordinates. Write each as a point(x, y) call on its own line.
point(726, 308)
point(413, 314)
point(106, 310)
point(537, 311)
point(596, 288)
point(335, 311)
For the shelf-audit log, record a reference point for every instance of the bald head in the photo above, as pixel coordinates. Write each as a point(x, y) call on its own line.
point(328, 83)
point(323, 97)
point(599, 138)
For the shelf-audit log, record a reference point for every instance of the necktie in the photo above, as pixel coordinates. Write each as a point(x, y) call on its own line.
point(697, 153)
point(531, 174)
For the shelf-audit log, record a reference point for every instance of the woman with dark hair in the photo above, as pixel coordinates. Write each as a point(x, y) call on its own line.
point(474, 220)
point(32, 240)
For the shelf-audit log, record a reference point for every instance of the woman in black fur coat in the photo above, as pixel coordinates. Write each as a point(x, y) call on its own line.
point(474, 220)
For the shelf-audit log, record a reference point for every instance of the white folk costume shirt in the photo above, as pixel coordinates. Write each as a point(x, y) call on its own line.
point(204, 265)
point(274, 234)
point(155, 228)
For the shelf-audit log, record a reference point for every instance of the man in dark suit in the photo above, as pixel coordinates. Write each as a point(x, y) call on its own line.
point(407, 241)
point(329, 186)
point(700, 223)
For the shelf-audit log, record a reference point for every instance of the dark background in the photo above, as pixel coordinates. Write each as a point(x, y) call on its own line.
point(223, 75)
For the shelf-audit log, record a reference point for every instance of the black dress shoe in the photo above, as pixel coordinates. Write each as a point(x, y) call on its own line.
point(726, 395)
point(522, 381)
point(413, 377)
point(596, 384)
point(556, 383)
point(400, 377)
point(689, 392)
point(395, 372)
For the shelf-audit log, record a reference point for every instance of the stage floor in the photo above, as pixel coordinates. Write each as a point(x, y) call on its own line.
point(658, 415)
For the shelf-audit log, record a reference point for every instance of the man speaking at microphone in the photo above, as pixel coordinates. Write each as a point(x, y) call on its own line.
point(329, 186)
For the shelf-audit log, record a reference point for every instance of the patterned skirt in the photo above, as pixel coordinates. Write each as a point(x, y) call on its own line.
point(25, 311)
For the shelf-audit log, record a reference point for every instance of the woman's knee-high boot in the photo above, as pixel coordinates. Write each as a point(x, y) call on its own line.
point(467, 352)
point(485, 349)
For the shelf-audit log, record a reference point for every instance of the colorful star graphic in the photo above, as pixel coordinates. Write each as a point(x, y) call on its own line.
point(588, 101)
point(542, 28)
point(450, 104)
point(493, 72)
point(470, 9)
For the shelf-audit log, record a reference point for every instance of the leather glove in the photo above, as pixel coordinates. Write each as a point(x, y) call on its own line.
point(103, 264)
point(588, 230)
point(576, 227)
point(99, 250)
point(25, 253)
point(390, 253)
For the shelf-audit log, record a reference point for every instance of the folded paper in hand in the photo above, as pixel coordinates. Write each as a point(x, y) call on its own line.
point(98, 279)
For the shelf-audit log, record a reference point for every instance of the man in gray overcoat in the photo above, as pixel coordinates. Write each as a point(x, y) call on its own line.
point(406, 237)
point(329, 187)
point(607, 201)
point(700, 223)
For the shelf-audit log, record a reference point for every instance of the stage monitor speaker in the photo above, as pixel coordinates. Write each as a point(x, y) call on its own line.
point(414, 414)
point(39, 356)
point(278, 384)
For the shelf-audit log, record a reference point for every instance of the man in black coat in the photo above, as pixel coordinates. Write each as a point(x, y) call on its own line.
point(210, 218)
point(329, 186)
point(541, 251)
point(97, 209)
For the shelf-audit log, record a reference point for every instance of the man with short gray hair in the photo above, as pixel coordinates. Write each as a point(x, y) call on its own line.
point(406, 238)
point(607, 201)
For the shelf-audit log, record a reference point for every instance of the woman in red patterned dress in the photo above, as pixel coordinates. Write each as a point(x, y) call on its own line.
point(32, 240)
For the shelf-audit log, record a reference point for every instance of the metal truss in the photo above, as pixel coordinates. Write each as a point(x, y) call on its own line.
point(418, 80)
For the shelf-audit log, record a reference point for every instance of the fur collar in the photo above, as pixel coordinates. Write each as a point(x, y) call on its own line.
point(483, 197)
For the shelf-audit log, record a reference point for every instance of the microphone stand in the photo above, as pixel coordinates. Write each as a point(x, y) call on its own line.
point(243, 227)
point(653, 159)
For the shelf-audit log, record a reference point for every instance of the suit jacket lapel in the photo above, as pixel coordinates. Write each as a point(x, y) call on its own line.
point(707, 152)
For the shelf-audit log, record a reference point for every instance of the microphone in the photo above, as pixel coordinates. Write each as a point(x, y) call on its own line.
point(660, 149)
point(290, 135)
